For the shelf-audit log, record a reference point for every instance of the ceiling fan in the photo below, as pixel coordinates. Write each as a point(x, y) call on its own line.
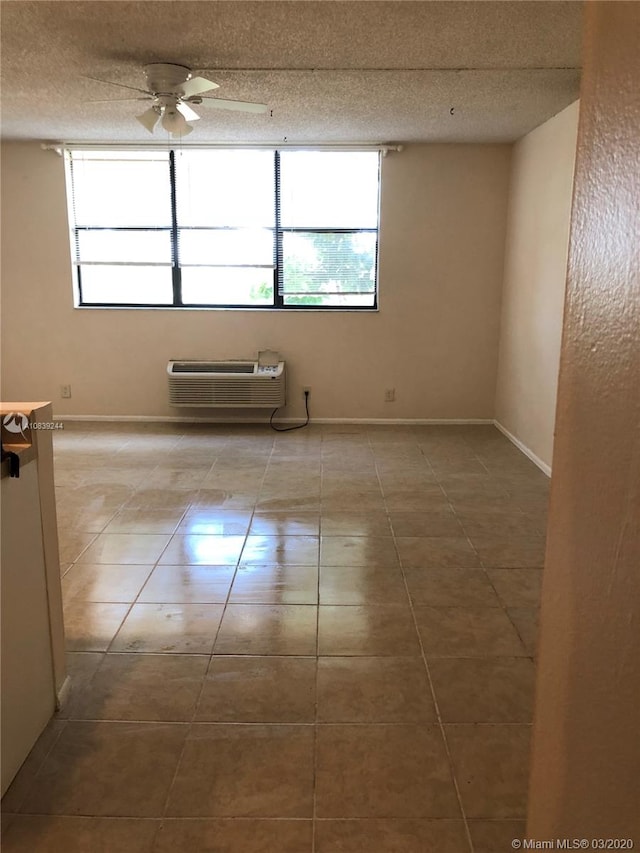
point(172, 89)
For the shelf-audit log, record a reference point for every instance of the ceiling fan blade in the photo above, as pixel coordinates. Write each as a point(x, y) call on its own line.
point(240, 106)
point(187, 113)
point(175, 123)
point(120, 85)
point(196, 86)
point(149, 118)
point(116, 100)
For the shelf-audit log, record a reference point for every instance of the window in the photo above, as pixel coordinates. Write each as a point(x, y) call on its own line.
point(225, 228)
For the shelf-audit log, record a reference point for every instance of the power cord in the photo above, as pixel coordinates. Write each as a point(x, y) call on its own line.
point(297, 426)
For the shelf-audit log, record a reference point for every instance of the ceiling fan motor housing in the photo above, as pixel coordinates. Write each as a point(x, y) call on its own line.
point(164, 78)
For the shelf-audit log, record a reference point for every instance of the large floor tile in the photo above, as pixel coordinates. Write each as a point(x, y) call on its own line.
point(195, 549)
point(188, 585)
point(433, 552)
point(491, 763)
point(373, 690)
point(245, 771)
point(483, 690)
point(215, 522)
point(178, 628)
point(430, 523)
point(93, 498)
point(53, 834)
point(145, 521)
point(108, 769)
point(517, 587)
point(72, 543)
point(229, 499)
point(165, 477)
point(286, 550)
point(275, 584)
point(451, 588)
point(345, 501)
point(383, 771)
point(362, 585)
point(467, 632)
point(91, 626)
point(458, 465)
point(288, 503)
point(422, 499)
point(496, 524)
point(225, 835)
point(134, 548)
point(268, 629)
point(109, 583)
point(381, 835)
point(371, 630)
point(266, 689)
point(285, 524)
point(144, 688)
point(357, 551)
point(81, 519)
point(375, 523)
point(510, 551)
point(148, 499)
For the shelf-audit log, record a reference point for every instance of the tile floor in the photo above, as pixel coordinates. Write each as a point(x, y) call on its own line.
point(282, 643)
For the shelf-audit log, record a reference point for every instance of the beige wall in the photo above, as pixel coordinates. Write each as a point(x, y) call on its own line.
point(586, 745)
point(435, 338)
point(534, 281)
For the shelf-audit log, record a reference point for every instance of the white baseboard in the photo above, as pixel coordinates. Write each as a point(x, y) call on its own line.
point(409, 421)
point(265, 420)
point(546, 469)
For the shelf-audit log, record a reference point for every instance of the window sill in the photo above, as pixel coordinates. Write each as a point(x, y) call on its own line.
point(311, 309)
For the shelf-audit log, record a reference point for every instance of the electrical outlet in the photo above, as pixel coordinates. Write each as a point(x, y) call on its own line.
point(307, 390)
point(65, 391)
point(390, 395)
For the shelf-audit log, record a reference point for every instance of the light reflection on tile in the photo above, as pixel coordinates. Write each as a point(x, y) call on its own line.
point(188, 584)
point(198, 550)
point(275, 584)
point(295, 550)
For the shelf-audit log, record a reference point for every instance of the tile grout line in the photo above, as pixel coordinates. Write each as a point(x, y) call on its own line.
point(428, 673)
point(211, 656)
point(485, 568)
point(482, 566)
point(109, 646)
point(188, 724)
point(314, 817)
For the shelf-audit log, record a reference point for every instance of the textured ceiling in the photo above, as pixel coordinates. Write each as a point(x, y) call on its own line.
point(345, 71)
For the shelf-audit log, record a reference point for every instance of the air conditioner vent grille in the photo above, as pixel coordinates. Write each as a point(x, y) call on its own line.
point(213, 367)
point(226, 384)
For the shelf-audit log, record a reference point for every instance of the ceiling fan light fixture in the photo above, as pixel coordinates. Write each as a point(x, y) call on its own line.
point(149, 118)
point(175, 123)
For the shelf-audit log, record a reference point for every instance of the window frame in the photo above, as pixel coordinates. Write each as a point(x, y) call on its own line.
point(278, 303)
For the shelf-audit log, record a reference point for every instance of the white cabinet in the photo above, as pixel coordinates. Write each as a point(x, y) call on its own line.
point(33, 671)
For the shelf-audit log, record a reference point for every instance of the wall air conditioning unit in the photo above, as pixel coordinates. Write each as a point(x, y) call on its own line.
point(228, 384)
